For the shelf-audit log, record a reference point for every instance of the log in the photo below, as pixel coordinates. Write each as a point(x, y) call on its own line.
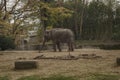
point(25, 64)
point(118, 61)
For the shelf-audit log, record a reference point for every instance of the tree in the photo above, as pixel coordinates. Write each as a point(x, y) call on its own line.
point(14, 16)
point(116, 28)
point(52, 15)
point(75, 21)
point(82, 15)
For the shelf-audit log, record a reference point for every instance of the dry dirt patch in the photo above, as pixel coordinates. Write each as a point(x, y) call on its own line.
point(47, 67)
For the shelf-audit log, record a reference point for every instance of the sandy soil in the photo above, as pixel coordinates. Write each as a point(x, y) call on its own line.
point(80, 67)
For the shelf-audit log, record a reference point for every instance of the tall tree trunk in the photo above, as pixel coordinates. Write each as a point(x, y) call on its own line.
point(76, 20)
point(110, 20)
point(82, 15)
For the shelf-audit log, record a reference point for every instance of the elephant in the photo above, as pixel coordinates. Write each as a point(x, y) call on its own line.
point(58, 36)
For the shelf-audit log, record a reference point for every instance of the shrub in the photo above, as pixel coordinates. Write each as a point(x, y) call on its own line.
point(110, 47)
point(6, 42)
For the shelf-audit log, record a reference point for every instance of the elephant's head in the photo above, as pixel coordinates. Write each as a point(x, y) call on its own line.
point(47, 37)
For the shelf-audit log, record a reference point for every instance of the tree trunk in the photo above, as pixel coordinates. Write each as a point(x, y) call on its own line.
point(81, 19)
point(76, 20)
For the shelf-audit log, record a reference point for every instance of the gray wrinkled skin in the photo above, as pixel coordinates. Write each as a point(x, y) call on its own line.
point(58, 36)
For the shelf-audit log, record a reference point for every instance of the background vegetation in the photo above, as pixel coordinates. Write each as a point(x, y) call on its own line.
point(6, 43)
point(97, 20)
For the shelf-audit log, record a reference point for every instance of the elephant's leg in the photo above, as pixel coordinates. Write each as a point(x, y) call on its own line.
point(58, 46)
point(69, 46)
point(54, 47)
point(72, 48)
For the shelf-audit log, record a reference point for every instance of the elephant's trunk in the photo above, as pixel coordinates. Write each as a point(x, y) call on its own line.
point(43, 44)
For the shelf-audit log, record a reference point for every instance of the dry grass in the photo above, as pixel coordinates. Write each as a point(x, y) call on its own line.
point(80, 67)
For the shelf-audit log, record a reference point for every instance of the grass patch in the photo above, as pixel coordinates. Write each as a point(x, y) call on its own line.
point(103, 77)
point(30, 78)
point(53, 77)
point(59, 77)
point(4, 78)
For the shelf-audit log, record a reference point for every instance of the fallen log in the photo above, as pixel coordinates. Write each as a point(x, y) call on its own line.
point(68, 57)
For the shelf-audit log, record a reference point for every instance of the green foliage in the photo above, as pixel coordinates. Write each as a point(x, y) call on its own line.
point(74, 21)
point(96, 22)
point(6, 42)
point(100, 21)
point(55, 77)
point(110, 47)
point(51, 15)
point(116, 29)
point(58, 15)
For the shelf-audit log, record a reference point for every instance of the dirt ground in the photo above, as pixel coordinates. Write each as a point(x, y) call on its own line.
point(80, 67)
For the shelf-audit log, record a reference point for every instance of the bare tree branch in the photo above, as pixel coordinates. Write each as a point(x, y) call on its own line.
point(1, 5)
point(5, 9)
point(17, 1)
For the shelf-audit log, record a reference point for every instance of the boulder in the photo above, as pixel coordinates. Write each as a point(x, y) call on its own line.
point(25, 64)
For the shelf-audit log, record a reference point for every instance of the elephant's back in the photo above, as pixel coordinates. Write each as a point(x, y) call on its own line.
point(62, 35)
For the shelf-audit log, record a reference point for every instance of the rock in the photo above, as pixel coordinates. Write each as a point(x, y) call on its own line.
point(25, 64)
